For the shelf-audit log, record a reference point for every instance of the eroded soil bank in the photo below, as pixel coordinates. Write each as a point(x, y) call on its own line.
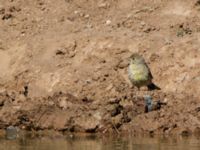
point(63, 65)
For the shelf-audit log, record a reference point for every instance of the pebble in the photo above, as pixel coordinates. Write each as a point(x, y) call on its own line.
point(113, 101)
point(87, 16)
point(76, 12)
point(103, 5)
point(63, 104)
point(108, 22)
point(11, 132)
point(89, 26)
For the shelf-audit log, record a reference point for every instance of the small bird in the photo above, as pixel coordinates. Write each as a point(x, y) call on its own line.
point(151, 105)
point(139, 73)
point(148, 103)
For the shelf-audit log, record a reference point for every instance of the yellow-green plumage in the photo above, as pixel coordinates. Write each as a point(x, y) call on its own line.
point(139, 72)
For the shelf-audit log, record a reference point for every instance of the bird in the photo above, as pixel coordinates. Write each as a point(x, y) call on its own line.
point(151, 105)
point(148, 103)
point(139, 73)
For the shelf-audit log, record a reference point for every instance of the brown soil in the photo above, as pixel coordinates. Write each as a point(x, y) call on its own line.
point(64, 65)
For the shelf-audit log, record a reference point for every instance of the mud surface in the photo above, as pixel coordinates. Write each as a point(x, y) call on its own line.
point(63, 65)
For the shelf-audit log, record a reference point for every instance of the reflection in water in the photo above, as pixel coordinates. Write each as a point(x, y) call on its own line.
point(96, 143)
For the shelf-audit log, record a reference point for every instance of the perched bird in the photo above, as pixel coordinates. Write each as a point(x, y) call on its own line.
point(148, 103)
point(151, 105)
point(139, 73)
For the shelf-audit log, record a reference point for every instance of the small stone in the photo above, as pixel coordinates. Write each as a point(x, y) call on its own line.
point(108, 22)
point(168, 42)
point(87, 124)
point(89, 26)
point(76, 12)
point(103, 5)
point(51, 103)
point(63, 104)
point(87, 16)
point(71, 136)
point(11, 132)
point(113, 101)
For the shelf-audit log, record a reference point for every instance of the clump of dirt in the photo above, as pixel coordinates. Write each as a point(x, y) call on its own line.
point(64, 65)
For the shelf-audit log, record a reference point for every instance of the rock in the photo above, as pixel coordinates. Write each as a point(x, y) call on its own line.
point(63, 103)
point(86, 123)
point(103, 5)
point(108, 22)
point(12, 132)
point(113, 101)
point(76, 12)
point(89, 26)
point(87, 16)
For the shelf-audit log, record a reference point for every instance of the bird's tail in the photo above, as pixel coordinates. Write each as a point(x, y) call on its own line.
point(152, 86)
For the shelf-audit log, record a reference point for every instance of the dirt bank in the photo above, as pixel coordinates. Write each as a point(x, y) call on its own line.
point(63, 64)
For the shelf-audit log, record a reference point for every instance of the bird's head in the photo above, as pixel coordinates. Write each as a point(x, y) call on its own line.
point(136, 58)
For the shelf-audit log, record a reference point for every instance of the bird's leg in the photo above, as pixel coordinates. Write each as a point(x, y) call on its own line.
point(137, 92)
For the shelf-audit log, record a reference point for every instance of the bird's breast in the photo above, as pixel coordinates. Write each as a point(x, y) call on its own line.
point(138, 72)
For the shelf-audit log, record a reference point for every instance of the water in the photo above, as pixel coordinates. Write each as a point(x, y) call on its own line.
point(101, 143)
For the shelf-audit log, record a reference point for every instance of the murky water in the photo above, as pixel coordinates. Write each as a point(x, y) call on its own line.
point(101, 143)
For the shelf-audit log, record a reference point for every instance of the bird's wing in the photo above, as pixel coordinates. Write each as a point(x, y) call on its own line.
point(150, 75)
